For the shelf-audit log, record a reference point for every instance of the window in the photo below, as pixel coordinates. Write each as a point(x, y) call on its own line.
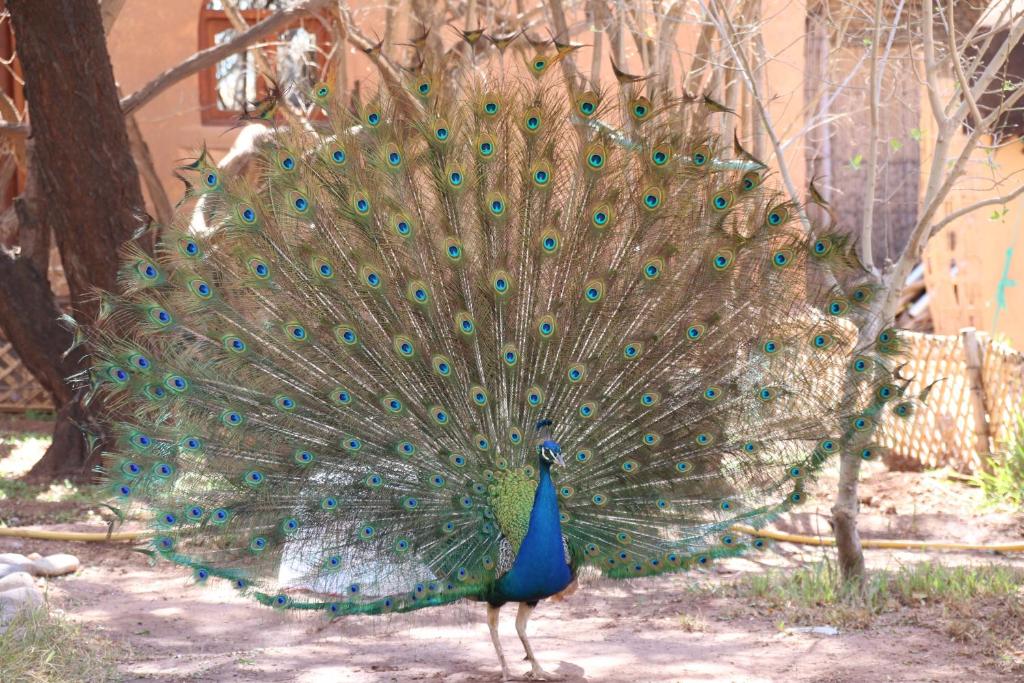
point(296, 55)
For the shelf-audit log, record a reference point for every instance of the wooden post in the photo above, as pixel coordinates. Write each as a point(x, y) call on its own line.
point(972, 354)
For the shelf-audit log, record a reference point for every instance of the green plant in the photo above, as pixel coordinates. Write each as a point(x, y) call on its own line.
point(40, 646)
point(40, 415)
point(815, 593)
point(1004, 481)
point(981, 605)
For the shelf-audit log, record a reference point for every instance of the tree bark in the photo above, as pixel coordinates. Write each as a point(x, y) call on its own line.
point(844, 520)
point(83, 187)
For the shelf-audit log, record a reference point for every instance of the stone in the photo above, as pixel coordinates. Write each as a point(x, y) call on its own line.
point(16, 598)
point(56, 565)
point(13, 558)
point(17, 580)
point(6, 569)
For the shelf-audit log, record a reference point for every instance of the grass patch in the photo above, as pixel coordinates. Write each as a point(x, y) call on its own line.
point(819, 586)
point(40, 415)
point(981, 605)
point(39, 646)
point(1004, 483)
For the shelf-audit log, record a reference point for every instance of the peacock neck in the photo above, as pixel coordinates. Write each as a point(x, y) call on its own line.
point(540, 568)
point(545, 502)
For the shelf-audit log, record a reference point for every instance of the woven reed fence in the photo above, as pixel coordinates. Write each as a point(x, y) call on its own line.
point(947, 431)
point(955, 428)
point(19, 391)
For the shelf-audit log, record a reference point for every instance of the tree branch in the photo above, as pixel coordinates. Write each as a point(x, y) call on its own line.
point(931, 69)
point(958, 68)
point(868, 215)
point(963, 211)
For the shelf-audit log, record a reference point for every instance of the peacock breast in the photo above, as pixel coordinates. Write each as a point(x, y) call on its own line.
point(540, 567)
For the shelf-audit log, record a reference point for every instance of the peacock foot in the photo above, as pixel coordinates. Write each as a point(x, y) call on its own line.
point(539, 674)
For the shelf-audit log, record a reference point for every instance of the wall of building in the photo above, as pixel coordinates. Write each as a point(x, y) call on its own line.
point(974, 269)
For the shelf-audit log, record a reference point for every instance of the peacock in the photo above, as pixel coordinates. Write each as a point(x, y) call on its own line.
point(464, 337)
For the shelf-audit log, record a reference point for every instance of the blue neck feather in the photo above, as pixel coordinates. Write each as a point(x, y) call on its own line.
point(539, 570)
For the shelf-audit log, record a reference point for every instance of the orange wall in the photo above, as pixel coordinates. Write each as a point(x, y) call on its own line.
point(971, 260)
point(148, 38)
point(968, 261)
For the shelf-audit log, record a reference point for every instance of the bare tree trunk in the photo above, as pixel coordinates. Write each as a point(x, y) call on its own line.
point(83, 187)
point(844, 519)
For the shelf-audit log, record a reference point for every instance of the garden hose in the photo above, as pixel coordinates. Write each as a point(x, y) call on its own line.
point(87, 536)
point(892, 544)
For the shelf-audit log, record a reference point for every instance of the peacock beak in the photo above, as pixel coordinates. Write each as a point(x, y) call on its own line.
point(559, 460)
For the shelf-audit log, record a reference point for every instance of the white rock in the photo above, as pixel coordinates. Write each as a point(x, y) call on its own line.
point(6, 569)
point(34, 556)
point(16, 598)
point(56, 565)
point(13, 558)
point(16, 580)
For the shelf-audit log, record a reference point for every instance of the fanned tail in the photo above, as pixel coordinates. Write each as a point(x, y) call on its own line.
point(335, 383)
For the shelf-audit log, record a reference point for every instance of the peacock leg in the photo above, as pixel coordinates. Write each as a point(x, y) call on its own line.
point(523, 616)
point(492, 624)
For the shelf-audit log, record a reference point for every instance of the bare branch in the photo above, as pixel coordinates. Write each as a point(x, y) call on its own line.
point(868, 217)
point(562, 28)
point(931, 69)
point(958, 67)
point(598, 14)
point(239, 23)
point(390, 15)
point(618, 30)
point(666, 40)
point(980, 204)
point(996, 63)
point(701, 56)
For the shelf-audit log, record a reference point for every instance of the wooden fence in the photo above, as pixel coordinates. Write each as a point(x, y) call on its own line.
point(953, 428)
point(19, 391)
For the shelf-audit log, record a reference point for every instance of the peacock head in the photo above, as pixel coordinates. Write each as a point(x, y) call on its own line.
point(549, 450)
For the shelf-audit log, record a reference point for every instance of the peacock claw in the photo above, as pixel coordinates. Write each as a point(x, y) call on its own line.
point(539, 674)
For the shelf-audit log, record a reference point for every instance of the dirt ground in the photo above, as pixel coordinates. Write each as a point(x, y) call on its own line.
point(676, 628)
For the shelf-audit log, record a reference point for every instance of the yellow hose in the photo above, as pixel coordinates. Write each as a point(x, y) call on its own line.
point(880, 542)
point(43, 535)
point(100, 536)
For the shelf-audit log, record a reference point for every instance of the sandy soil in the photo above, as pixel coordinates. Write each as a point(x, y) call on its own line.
point(664, 629)
point(655, 630)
